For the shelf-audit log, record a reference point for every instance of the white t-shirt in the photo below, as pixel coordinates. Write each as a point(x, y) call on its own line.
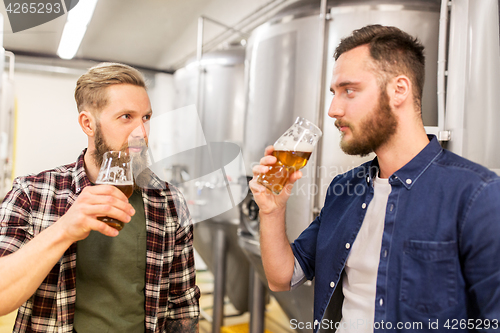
point(360, 274)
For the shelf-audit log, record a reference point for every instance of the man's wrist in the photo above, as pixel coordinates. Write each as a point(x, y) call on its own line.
point(275, 214)
point(61, 234)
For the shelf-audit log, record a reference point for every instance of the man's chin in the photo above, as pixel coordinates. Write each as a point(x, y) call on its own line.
point(135, 150)
point(354, 148)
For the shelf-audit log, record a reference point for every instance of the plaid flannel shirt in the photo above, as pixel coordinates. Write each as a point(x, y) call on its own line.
point(37, 201)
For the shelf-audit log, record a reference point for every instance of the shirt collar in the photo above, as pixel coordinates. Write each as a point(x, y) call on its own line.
point(409, 174)
point(80, 179)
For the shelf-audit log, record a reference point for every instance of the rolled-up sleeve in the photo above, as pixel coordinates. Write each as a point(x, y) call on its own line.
point(298, 277)
point(183, 294)
point(15, 216)
point(304, 248)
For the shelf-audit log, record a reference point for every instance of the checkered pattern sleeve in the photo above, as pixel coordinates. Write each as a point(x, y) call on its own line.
point(15, 215)
point(181, 208)
point(183, 293)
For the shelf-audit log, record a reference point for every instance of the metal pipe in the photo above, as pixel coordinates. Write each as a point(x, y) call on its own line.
point(200, 98)
point(244, 34)
point(40, 68)
point(199, 44)
point(199, 56)
point(12, 58)
point(441, 70)
point(200, 81)
point(257, 303)
point(323, 42)
point(260, 12)
point(219, 278)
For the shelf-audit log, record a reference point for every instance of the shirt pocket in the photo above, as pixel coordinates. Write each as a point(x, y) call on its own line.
point(429, 277)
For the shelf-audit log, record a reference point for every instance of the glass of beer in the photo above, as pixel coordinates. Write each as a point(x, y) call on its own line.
point(292, 151)
point(116, 170)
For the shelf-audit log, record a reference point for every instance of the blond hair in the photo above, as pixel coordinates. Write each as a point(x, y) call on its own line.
point(90, 91)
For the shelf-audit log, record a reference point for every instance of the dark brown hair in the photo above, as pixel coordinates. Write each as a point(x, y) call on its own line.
point(394, 53)
point(90, 91)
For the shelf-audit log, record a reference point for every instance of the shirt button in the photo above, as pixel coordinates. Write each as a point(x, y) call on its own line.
point(408, 181)
point(347, 245)
point(363, 205)
point(332, 284)
point(391, 207)
point(381, 302)
point(368, 179)
point(385, 253)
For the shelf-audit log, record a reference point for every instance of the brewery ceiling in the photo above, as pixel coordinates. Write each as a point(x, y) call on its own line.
point(155, 34)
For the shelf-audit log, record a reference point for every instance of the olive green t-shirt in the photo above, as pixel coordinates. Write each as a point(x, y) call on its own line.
point(110, 278)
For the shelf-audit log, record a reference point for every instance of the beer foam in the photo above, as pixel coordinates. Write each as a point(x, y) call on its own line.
point(291, 145)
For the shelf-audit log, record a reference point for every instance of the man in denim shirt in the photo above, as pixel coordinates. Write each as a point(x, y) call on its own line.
point(416, 246)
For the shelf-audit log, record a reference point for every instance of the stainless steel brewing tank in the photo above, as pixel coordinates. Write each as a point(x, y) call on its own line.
point(221, 92)
point(215, 86)
point(283, 75)
point(472, 99)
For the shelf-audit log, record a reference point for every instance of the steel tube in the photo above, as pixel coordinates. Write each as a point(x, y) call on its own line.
point(323, 45)
point(199, 46)
point(441, 73)
point(257, 303)
point(220, 247)
point(260, 12)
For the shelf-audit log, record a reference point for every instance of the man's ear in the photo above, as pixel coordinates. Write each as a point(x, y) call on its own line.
point(87, 122)
point(400, 90)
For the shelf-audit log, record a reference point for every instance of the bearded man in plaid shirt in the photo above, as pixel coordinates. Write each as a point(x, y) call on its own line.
point(67, 271)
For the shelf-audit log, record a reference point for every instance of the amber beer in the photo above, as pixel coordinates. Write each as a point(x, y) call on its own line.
point(288, 162)
point(292, 150)
point(116, 170)
point(127, 189)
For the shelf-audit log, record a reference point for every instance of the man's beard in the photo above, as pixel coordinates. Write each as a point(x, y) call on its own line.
point(139, 160)
point(372, 132)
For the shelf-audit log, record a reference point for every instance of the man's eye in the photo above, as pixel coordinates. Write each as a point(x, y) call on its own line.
point(146, 118)
point(349, 91)
point(126, 116)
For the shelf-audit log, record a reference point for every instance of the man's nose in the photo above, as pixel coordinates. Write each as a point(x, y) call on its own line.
point(336, 109)
point(140, 132)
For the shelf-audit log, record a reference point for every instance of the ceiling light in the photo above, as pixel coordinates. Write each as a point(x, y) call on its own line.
point(75, 28)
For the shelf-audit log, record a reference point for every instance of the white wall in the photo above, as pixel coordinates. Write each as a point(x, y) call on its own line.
point(48, 134)
point(162, 93)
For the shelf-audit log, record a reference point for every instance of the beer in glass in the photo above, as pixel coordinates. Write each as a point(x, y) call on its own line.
point(292, 151)
point(116, 170)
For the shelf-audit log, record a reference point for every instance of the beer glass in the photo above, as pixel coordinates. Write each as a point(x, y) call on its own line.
point(116, 170)
point(292, 151)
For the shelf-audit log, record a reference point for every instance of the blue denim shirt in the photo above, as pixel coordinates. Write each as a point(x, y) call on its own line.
point(440, 255)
